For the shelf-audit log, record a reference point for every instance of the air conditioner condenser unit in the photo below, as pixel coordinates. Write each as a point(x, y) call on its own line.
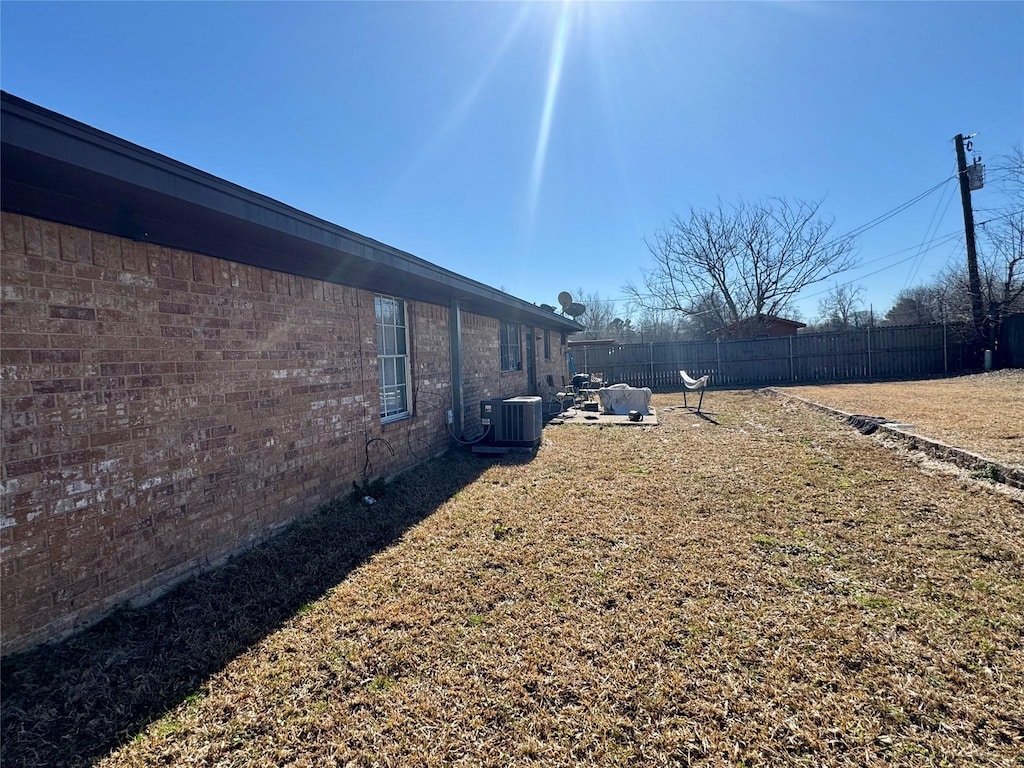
point(516, 421)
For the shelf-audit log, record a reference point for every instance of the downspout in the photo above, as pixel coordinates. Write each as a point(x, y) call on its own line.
point(455, 349)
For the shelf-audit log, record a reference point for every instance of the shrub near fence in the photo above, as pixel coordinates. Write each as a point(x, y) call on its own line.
point(891, 352)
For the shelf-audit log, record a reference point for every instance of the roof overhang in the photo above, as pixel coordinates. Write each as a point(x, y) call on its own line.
point(591, 342)
point(58, 169)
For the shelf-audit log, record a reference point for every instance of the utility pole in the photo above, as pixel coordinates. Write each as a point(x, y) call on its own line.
point(973, 279)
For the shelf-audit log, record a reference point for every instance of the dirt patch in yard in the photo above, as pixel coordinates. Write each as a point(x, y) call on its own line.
point(983, 413)
point(760, 587)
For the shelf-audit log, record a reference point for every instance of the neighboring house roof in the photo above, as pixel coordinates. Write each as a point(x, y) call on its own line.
point(591, 342)
point(59, 169)
point(764, 324)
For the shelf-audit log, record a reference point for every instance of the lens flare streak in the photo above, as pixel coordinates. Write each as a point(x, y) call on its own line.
point(550, 98)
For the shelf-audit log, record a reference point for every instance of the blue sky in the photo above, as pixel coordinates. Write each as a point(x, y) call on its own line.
point(534, 146)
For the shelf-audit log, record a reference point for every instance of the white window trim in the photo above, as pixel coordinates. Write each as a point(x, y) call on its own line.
point(502, 345)
point(407, 413)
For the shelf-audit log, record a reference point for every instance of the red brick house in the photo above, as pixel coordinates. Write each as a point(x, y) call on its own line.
point(187, 366)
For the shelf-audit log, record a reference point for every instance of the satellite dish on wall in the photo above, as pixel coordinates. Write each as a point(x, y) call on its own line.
point(574, 310)
point(565, 299)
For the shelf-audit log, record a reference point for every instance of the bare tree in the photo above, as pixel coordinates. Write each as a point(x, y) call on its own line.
point(622, 329)
point(841, 306)
point(709, 315)
point(599, 315)
point(654, 325)
point(921, 304)
point(748, 260)
point(1002, 261)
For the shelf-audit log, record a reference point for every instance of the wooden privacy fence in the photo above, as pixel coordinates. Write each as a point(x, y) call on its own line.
point(871, 353)
point(1011, 342)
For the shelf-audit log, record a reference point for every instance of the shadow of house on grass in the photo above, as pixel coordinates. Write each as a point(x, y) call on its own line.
point(70, 703)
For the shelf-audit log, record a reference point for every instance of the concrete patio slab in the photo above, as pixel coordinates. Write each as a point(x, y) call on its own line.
point(576, 416)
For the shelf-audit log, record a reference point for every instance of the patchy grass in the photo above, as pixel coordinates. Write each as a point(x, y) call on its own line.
point(775, 589)
point(981, 413)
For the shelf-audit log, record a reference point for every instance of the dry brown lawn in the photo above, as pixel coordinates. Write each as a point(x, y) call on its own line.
point(983, 413)
point(764, 588)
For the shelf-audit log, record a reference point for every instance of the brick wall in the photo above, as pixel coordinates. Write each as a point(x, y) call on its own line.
point(163, 409)
point(480, 364)
point(482, 377)
point(431, 394)
point(553, 367)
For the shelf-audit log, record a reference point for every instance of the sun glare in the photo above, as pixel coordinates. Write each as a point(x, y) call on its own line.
point(453, 122)
point(555, 62)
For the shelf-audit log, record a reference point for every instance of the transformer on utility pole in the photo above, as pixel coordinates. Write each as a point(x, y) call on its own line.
point(971, 180)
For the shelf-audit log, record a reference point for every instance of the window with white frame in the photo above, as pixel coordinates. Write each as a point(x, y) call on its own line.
point(511, 351)
point(392, 357)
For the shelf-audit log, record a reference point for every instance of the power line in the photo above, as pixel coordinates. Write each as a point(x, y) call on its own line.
point(891, 213)
point(916, 264)
point(936, 243)
point(930, 245)
point(1000, 218)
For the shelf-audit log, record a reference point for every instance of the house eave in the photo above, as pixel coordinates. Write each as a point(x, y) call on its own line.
point(59, 169)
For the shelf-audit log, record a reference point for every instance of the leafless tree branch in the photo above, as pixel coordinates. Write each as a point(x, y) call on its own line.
point(742, 260)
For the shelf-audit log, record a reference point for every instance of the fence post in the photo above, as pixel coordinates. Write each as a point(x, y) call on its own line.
point(869, 351)
point(792, 370)
point(718, 355)
point(651, 352)
point(945, 353)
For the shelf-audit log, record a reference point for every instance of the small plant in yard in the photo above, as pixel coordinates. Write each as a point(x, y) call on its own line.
point(381, 683)
point(166, 727)
point(766, 542)
point(989, 472)
point(873, 601)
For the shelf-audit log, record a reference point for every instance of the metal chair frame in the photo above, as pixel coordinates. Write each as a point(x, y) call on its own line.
point(694, 385)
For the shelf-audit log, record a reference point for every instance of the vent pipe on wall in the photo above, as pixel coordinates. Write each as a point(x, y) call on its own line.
point(455, 347)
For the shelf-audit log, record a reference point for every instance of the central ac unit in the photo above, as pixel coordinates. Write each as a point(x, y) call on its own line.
point(516, 421)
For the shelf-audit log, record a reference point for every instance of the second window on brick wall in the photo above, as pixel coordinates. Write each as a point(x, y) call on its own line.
point(511, 352)
point(392, 357)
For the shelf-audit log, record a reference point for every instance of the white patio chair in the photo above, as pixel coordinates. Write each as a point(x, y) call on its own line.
point(694, 385)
